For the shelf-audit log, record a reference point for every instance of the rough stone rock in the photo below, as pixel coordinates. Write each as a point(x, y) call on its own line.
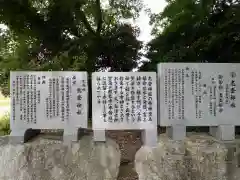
point(48, 159)
point(208, 158)
point(199, 157)
point(165, 162)
point(236, 170)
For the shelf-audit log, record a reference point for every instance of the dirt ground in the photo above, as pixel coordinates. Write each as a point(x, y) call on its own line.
point(129, 143)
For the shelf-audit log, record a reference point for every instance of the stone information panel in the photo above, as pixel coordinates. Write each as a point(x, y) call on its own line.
point(48, 100)
point(199, 94)
point(124, 100)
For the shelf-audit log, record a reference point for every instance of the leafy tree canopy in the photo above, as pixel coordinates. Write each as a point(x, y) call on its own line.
point(84, 35)
point(195, 31)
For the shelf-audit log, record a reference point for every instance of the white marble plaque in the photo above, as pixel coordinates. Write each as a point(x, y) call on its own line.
point(124, 100)
point(199, 94)
point(48, 100)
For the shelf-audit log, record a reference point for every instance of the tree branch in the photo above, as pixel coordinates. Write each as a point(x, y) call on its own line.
point(85, 22)
point(83, 18)
point(99, 16)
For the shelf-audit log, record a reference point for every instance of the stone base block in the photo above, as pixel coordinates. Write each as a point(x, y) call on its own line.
point(206, 158)
point(49, 159)
point(198, 157)
point(165, 162)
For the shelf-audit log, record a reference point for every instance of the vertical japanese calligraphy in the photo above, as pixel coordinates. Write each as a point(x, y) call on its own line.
point(80, 91)
point(116, 99)
point(220, 93)
point(124, 98)
point(13, 100)
point(233, 90)
point(166, 81)
point(21, 95)
point(17, 85)
point(121, 99)
point(68, 83)
point(24, 97)
point(57, 97)
point(132, 97)
point(34, 99)
point(27, 98)
point(150, 99)
point(139, 100)
point(174, 92)
point(50, 84)
point(104, 98)
point(99, 90)
point(198, 93)
point(54, 97)
point(144, 105)
point(182, 92)
point(46, 99)
point(62, 98)
point(110, 99)
point(214, 97)
point(127, 97)
point(31, 99)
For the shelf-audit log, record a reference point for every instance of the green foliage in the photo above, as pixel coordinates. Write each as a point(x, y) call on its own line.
point(195, 31)
point(68, 35)
point(5, 124)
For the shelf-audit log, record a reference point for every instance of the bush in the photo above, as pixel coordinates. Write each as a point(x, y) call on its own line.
point(5, 124)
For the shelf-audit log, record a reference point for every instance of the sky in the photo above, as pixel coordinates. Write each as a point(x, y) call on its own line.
point(156, 6)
